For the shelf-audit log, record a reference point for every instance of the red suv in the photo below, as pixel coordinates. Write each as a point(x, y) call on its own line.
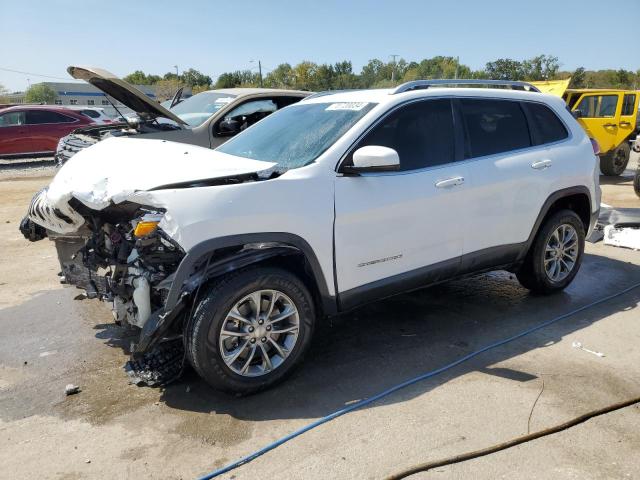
point(36, 129)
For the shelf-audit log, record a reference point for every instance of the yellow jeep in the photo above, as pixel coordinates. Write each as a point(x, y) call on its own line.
point(609, 116)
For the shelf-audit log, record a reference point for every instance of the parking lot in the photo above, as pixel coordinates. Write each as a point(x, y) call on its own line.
point(112, 429)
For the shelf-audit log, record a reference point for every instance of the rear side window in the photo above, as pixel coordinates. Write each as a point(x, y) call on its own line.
point(628, 103)
point(91, 113)
point(36, 117)
point(547, 126)
point(494, 126)
point(422, 133)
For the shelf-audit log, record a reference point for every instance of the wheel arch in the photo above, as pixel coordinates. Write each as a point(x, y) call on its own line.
point(224, 254)
point(577, 199)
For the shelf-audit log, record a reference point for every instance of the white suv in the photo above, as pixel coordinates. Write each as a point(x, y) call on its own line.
point(338, 200)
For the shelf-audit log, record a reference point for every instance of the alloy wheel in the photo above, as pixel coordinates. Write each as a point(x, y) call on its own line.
point(259, 333)
point(561, 253)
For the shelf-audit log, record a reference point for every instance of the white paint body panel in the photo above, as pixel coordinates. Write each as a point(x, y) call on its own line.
point(377, 216)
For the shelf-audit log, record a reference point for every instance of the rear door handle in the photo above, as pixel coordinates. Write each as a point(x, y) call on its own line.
point(609, 125)
point(450, 182)
point(542, 164)
point(625, 124)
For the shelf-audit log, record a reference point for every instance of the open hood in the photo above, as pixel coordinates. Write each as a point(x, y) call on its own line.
point(124, 92)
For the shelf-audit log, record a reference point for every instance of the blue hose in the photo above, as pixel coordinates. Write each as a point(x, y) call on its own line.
point(400, 386)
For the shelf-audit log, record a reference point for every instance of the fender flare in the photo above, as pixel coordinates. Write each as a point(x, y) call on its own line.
point(551, 199)
point(195, 254)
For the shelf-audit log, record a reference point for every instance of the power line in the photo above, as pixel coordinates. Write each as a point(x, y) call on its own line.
point(32, 74)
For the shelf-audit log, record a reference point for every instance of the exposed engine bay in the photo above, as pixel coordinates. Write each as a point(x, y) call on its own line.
point(84, 137)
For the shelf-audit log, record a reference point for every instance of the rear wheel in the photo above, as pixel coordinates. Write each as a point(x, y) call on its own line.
point(251, 329)
point(556, 254)
point(614, 162)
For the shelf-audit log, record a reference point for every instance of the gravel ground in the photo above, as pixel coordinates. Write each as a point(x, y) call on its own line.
point(115, 430)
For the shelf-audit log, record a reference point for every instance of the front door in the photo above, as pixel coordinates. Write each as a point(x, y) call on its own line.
point(396, 230)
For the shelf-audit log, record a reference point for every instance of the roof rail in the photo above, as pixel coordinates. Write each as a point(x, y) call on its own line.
point(424, 84)
point(327, 92)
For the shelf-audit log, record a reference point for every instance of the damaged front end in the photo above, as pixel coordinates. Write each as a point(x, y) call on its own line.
point(117, 255)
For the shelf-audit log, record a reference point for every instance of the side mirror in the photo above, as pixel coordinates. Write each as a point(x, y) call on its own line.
point(576, 114)
point(229, 126)
point(373, 158)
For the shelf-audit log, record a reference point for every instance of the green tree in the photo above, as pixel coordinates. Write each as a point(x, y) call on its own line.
point(578, 78)
point(280, 77)
point(166, 89)
point(504, 69)
point(140, 78)
point(195, 78)
point(542, 67)
point(304, 74)
point(4, 98)
point(40, 93)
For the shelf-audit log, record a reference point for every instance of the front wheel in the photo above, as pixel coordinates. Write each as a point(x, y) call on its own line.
point(556, 254)
point(250, 330)
point(636, 182)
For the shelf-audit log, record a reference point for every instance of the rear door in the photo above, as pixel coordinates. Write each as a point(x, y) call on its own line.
point(396, 230)
point(599, 114)
point(14, 134)
point(628, 116)
point(47, 127)
point(510, 173)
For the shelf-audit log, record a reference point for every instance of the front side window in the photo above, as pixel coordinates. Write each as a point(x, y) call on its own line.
point(494, 126)
point(37, 117)
point(295, 136)
point(252, 112)
point(598, 106)
point(422, 133)
point(12, 119)
point(628, 103)
point(547, 125)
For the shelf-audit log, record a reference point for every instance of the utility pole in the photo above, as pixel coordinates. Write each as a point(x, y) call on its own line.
point(260, 72)
point(176, 67)
point(455, 75)
point(393, 70)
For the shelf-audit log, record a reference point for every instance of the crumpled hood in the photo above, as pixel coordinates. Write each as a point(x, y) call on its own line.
point(113, 170)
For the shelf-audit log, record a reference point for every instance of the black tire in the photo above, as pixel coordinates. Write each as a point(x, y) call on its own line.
point(636, 182)
point(614, 162)
point(532, 274)
point(202, 332)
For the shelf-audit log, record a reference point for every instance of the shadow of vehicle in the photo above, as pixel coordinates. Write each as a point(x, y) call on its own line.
point(361, 353)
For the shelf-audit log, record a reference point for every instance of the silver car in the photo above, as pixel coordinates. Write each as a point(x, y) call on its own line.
point(207, 119)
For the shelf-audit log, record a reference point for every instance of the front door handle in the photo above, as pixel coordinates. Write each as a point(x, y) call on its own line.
point(609, 125)
point(450, 182)
point(625, 124)
point(542, 164)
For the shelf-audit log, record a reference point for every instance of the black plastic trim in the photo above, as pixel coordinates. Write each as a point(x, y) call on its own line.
point(185, 269)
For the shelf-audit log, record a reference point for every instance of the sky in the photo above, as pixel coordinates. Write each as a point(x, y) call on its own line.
point(45, 36)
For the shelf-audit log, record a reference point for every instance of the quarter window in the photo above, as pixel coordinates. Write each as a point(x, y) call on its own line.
point(494, 126)
point(628, 103)
point(422, 133)
point(598, 106)
point(36, 117)
point(546, 124)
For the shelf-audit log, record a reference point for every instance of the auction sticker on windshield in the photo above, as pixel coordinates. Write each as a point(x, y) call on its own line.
point(355, 106)
point(223, 100)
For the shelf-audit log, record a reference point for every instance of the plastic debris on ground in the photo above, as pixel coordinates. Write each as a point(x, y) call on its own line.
point(579, 346)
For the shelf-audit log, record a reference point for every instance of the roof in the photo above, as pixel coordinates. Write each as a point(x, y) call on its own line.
point(239, 91)
point(383, 96)
point(37, 107)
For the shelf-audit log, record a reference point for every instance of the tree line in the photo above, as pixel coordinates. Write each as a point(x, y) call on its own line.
point(376, 73)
